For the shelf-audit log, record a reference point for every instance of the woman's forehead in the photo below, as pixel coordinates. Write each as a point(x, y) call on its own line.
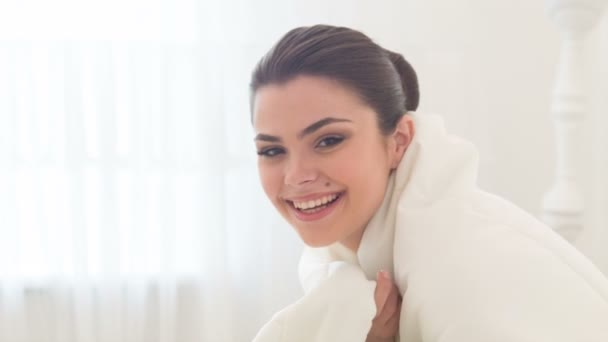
point(303, 101)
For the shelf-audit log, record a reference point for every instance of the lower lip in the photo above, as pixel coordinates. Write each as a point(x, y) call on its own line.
point(319, 214)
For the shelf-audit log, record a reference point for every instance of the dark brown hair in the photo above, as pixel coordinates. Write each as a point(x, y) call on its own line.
point(384, 80)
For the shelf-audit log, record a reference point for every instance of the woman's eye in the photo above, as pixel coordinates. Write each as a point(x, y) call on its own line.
point(330, 141)
point(271, 152)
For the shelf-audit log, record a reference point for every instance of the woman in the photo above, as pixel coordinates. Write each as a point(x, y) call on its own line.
point(370, 185)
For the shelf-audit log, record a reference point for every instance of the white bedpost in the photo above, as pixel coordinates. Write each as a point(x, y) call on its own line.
point(563, 205)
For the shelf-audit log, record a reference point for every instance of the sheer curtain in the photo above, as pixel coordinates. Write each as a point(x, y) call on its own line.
point(130, 208)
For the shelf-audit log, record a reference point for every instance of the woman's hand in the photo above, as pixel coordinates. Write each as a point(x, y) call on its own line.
point(388, 310)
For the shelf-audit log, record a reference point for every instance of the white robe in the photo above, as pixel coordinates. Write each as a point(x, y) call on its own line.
point(469, 265)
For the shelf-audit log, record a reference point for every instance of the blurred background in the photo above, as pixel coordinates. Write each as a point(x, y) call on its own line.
point(130, 208)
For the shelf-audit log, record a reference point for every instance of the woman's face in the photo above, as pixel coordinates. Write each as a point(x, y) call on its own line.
point(322, 160)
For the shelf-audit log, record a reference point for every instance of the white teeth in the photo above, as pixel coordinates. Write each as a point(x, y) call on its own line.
point(315, 203)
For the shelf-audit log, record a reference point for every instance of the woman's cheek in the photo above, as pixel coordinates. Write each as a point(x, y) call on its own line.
point(350, 170)
point(270, 179)
point(262, 174)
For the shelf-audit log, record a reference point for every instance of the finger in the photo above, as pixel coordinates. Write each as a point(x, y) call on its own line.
point(389, 328)
point(383, 289)
point(390, 306)
point(393, 321)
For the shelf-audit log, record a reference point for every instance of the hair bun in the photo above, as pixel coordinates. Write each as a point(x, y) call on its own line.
point(409, 80)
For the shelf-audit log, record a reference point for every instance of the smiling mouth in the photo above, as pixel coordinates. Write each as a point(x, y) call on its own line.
point(311, 207)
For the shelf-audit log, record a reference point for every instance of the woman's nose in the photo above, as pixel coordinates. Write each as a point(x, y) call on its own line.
point(299, 171)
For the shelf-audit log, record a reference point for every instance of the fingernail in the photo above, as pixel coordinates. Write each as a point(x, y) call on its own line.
point(385, 274)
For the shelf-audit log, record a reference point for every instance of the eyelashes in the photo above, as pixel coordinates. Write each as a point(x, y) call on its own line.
point(325, 143)
point(330, 141)
point(271, 152)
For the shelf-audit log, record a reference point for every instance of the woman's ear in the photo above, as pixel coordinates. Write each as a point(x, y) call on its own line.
point(401, 139)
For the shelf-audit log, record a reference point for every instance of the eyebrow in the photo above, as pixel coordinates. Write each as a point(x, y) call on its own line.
point(306, 131)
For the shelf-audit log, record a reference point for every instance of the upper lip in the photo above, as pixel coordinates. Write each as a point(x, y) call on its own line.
point(311, 196)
